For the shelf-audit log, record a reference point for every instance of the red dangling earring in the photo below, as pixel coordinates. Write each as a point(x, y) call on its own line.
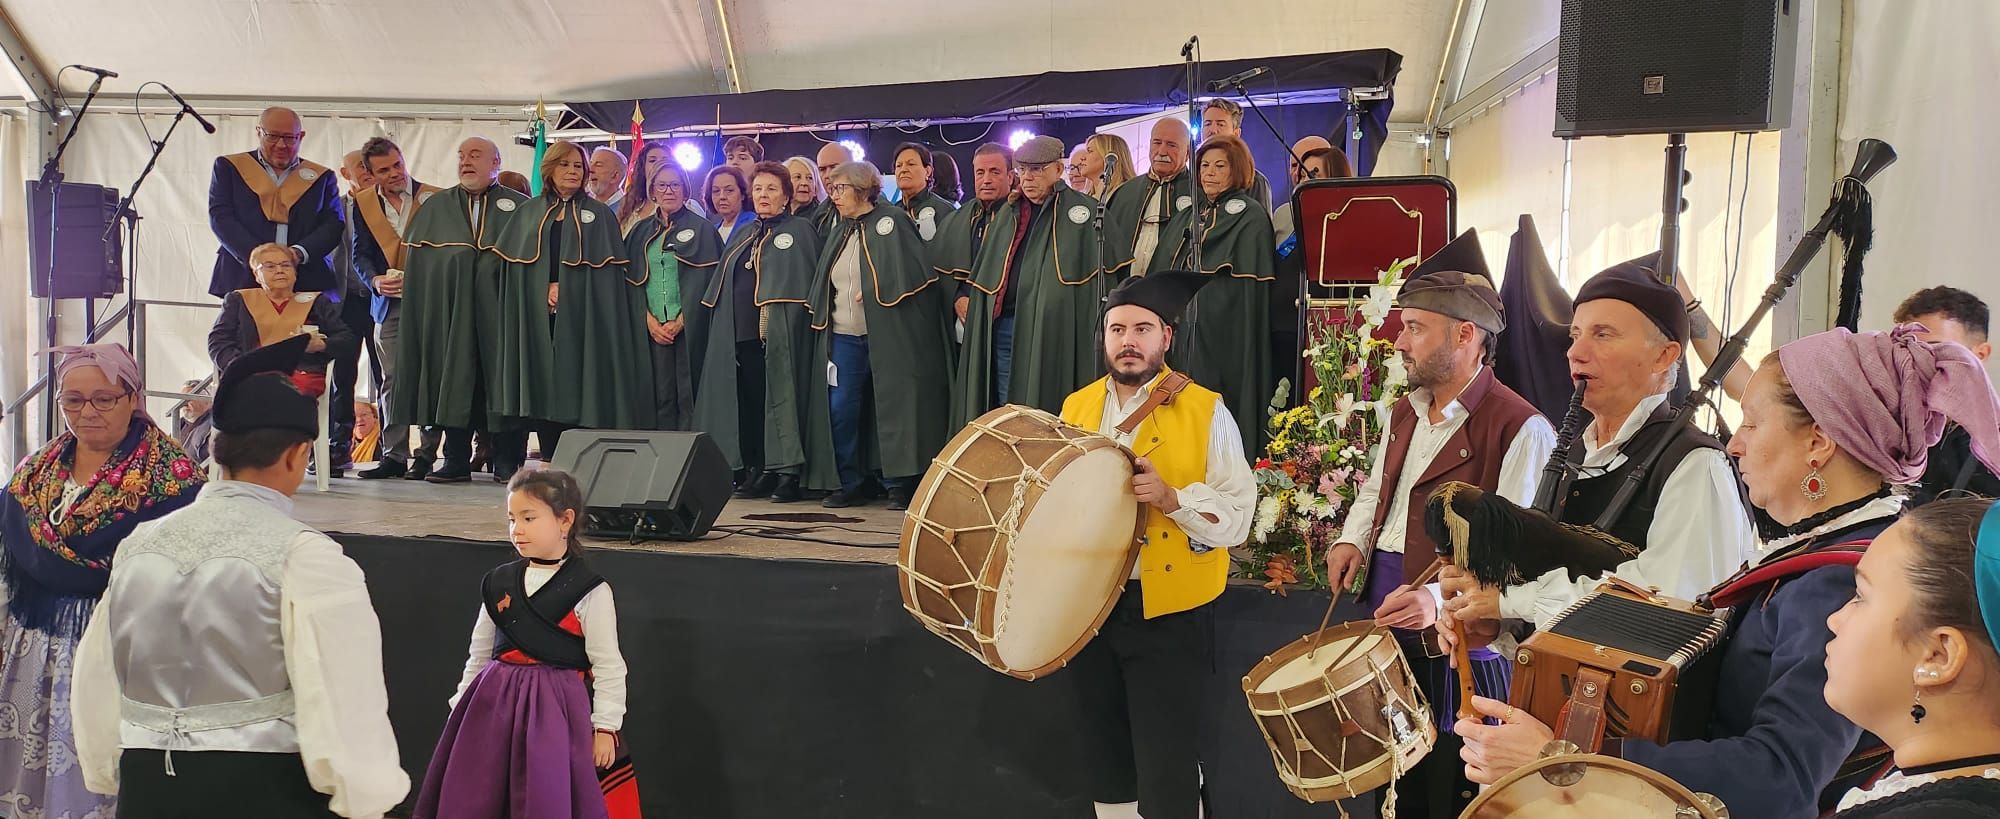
point(1814, 486)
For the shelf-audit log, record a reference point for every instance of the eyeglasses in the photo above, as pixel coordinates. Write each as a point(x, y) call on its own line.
point(1024, 170)
point(273, 267)
point(670, 186)
point(281, 139)
point(71, 402)
point(838, 188)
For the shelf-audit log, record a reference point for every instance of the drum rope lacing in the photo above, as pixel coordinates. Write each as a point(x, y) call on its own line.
point(1420, 709)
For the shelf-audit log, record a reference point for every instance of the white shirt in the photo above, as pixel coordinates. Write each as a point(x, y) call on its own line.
point(599, 618)
point(333, 653)
point(398, 214)
point(1147, 242)
point(1520, 471)
point(1228, 490)
point(1698, 538)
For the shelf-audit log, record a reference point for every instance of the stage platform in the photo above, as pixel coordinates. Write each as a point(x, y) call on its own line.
point(774, 677)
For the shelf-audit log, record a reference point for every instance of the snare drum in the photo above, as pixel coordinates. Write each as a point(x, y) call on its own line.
point(1585, 786)
point(1342, 714)
point(1019, 540)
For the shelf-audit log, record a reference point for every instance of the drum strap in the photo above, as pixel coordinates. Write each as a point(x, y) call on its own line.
point(1169, 387)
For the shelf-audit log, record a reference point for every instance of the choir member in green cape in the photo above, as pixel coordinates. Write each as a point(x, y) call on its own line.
point(673, 254)
point(1225, 335)
point(590, 367)
point(809, 199)
point(752, 395)
point(1036, 288)
point(961, 234)
point(913, 180)
point(1139, 210)
point(880, 359)
point(448, 360)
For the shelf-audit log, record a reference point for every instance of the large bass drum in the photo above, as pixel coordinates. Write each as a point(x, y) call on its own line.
point(1020, 539)
point(1587, 786)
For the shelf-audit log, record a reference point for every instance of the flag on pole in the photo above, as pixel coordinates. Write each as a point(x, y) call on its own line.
point(638, 140)
point(541, 131)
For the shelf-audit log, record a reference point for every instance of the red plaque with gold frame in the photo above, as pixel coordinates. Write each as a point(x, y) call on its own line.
point(1352, 229)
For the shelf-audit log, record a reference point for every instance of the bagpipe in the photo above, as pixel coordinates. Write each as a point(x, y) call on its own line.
point(1625, 661)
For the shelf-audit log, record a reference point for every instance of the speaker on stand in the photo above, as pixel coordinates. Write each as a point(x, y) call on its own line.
point(645, 485)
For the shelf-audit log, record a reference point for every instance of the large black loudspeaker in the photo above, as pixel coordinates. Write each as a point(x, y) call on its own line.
point(1657, 67)
point(640, 485)
point(87, 266)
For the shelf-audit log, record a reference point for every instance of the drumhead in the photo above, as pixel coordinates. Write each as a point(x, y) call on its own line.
point(1314, 664)
point(1608, 787)
point(1076, 543)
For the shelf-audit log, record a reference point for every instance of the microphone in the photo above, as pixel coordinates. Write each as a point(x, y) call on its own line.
point(1239, 79)
point(98, 71)
point(1187, 49)
point(205, 124)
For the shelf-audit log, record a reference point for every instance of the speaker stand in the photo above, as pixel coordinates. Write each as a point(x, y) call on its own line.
point(1671, 206)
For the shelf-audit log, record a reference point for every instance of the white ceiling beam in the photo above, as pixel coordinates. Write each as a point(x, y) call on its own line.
point(34, 81)
point(1515, 77)
point(721, 46)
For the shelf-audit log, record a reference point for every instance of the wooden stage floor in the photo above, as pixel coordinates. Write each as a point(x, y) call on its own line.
point(474, 511)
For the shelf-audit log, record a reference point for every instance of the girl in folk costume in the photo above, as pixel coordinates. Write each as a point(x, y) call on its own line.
point(543, 697)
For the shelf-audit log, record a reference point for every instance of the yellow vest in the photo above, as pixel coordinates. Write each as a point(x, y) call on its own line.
point(1172, 578)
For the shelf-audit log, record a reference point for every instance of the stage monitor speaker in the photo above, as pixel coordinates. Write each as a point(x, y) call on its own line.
point(1643, 67)
point(643, 485)
point(87, 264)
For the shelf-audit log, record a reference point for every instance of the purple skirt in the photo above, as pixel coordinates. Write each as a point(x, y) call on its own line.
point(517, 746)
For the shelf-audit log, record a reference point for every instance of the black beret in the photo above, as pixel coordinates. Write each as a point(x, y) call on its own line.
point(256, 391)
point(1637, 283)
point(1166, 293)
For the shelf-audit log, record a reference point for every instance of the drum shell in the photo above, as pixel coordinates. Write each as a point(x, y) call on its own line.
point(1365, 680)
point(967, 556)
point(1630, 789)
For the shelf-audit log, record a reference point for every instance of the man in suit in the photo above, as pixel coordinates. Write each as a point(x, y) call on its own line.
point(380, 216)
point(272, 195)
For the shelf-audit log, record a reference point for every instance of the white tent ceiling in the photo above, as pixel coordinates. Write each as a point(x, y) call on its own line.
point(510, 51)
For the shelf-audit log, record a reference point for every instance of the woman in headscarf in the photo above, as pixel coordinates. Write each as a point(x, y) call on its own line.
point(1912, 661)
point(66, 509)
point(753, 380)
point(672, 255)
point(1822, 455)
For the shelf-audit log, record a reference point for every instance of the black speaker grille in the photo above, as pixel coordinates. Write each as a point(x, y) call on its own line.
point(1650, 66)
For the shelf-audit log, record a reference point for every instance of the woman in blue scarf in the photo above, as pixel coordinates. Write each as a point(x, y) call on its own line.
point(64, 513)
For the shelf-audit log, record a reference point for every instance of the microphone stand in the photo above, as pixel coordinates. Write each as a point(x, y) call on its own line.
point(1869, 160)
point(129, 218)
point(1103, 202)
point(1275, 133)
point(52, 182)
point(1190, 53)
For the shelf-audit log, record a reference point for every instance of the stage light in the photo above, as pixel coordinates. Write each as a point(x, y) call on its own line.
point(1019, 138)
point(855, 148)
point(687, 155)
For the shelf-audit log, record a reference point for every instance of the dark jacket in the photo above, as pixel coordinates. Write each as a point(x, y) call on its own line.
point(235, 333)
point(237, 217)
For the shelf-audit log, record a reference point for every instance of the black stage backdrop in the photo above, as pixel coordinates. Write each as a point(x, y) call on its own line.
point(790, 688)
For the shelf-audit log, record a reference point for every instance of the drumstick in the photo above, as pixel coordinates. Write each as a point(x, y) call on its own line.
point(1423, 578)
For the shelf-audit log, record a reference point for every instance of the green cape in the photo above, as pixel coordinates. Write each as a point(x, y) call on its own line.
point(908, 350)
point(451, 311)
point(950, 250)
point(1122, 217)
point(784, 282)
point(1060, 292)
point(590, 367)
point(1223, 341)
point(696, 244)
point(927, 202)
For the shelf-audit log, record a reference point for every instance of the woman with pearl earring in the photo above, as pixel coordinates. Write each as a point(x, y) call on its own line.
point(1912, 661)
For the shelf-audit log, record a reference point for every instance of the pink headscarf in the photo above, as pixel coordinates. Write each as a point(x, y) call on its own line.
point(1884, 397)
point(117, 364)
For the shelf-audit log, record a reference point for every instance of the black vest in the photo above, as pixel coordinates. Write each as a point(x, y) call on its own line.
point(1590, 495)
point(533, 624)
